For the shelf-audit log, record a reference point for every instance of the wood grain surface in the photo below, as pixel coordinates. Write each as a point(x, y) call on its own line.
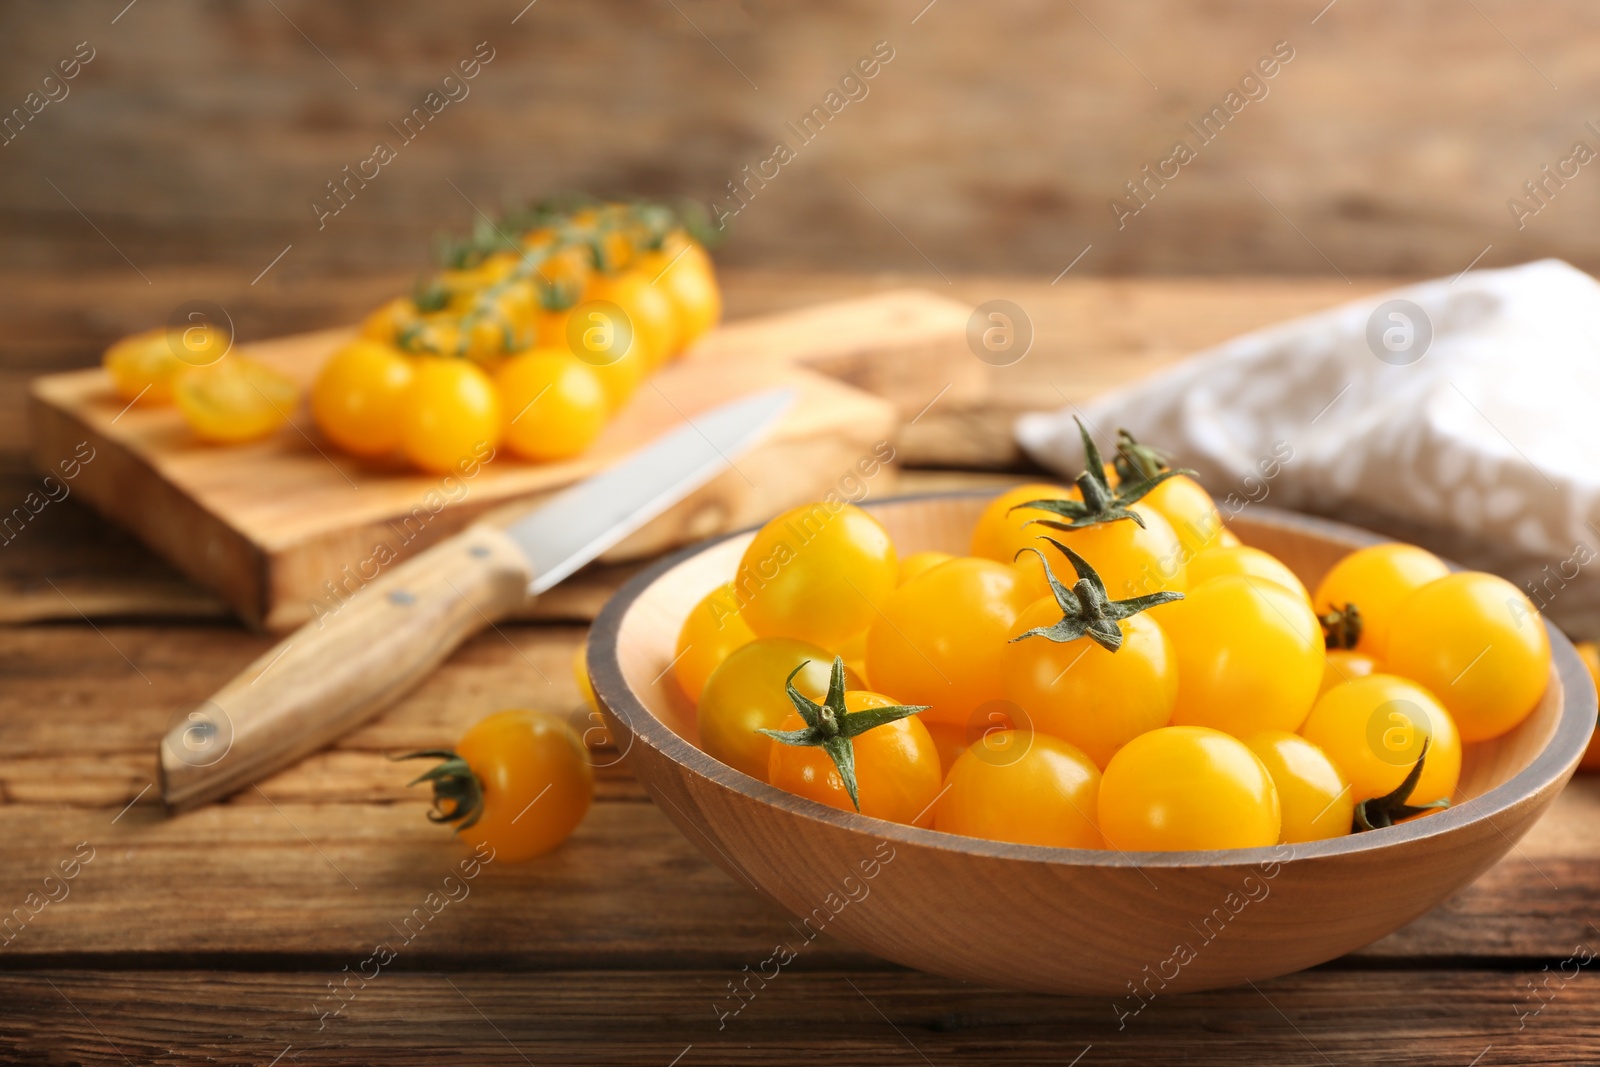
point(994, 139)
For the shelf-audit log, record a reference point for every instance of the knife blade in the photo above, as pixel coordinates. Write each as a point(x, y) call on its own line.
point(338, 671)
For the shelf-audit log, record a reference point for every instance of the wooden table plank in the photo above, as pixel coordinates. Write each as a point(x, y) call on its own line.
point(805, 1014)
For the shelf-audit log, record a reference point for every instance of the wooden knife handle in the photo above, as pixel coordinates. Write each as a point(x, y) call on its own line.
point(340, 669)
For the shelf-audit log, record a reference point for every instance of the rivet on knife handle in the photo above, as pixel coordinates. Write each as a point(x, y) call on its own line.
point(341, 669)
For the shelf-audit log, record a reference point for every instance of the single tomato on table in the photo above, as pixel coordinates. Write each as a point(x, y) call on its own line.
point(518, 782)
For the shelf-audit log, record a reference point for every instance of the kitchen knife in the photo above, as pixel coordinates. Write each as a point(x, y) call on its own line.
point(337, 671)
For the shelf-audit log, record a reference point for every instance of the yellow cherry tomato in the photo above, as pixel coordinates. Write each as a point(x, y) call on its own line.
point(853, 650)
point(386, 323)
point(1589, 653)
point(818, 572)
point(235, 400)
point(1241, 559)
point(650, 311)
point(1250, 655)
point(1132, 560)
point(1373, 728)
point(553, 404)
point(144, 367)
point(949, 738)
point(356, 397)
point(1226, 536)
point(691, 285)
point(1001, 532)
point(941, 638)
point(1313, 794)
point(1079, 692)
point(1377, 579)
point(1189, 510)
point(746, 694)
point(896, 764)
point(535, 779)
point(598, 336)
point(713, 629)
point(450, 414)
point(1023, 787)
point(919, 562)
point(1187, 787)
point(1346, 665)
point(1479, 645)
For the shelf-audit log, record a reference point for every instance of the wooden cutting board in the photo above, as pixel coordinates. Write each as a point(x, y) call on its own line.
point(286, 528)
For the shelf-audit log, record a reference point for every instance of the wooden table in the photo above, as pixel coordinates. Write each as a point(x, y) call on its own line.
point(221, 936)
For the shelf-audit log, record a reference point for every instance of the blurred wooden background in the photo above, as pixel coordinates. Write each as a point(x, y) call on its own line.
point(992, 142)
point(184, 158)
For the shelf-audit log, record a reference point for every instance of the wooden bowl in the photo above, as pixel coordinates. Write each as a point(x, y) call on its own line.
point(1128, 926)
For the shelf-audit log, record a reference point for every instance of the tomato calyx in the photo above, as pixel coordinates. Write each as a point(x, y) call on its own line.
point(1087, 610)
point(830, 727)
point(457, 792)
point(1378, 812)
point(1100, 502)
point(1136, 462)
point(1341, 627)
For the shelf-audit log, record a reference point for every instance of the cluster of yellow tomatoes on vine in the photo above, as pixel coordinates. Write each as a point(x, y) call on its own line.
point(1108, 667)
point(539, 329)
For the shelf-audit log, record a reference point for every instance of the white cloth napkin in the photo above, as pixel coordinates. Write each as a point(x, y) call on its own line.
point(1466, 419)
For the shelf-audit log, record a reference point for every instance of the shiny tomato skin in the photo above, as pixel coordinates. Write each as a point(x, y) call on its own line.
point(1183, 788)
point(1250, 655)
point(1313, 794)
point(745, 694)
point(710, 632)
point(1372, 729)
point(1346, 665)
point(940, 638)
point(1377, 579)
point(536, 778)
point(1022, 787)
point(816, 573)
point(1477, 643)
point(1218, 560)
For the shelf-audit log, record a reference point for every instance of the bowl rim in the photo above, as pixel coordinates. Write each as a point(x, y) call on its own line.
point(1554, 762)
